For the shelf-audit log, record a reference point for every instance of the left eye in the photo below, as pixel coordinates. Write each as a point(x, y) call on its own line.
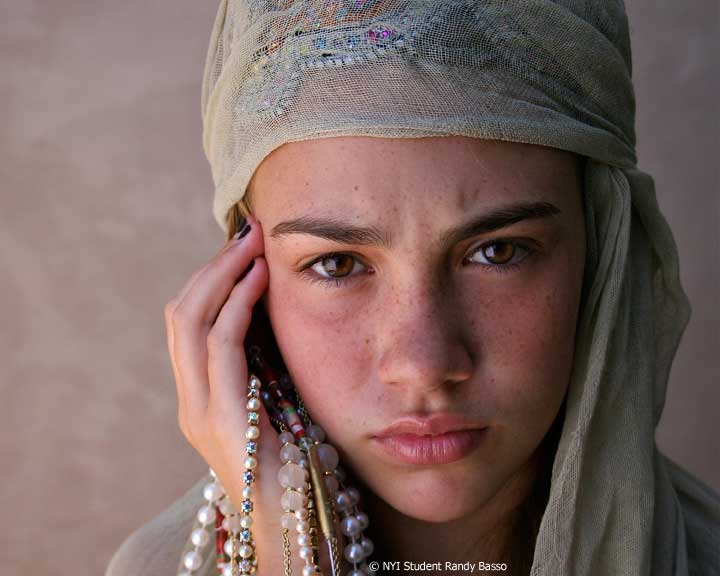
point(500, 253)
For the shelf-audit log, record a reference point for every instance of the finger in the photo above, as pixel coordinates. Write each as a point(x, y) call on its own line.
point(194, 315)
point(211, 288)
point(169, 332)
point(227, 364)
point(186, 288)
point(168, 313)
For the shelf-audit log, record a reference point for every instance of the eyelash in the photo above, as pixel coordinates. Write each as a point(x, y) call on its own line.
point(327, 281)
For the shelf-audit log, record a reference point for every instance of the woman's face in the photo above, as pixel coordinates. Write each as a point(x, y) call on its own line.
point(418, 276)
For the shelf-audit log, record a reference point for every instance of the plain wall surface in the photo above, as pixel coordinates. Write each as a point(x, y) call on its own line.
point(105, 212)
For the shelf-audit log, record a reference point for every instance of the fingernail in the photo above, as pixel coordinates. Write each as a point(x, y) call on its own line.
point(250, 266)
point(243, 231)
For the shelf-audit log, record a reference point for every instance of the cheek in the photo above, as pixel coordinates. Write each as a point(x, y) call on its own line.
point(525, 334)
point(326, 349)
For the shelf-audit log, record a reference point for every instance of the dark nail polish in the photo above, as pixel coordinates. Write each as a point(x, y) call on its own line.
point(250, 266)
point(243, 232)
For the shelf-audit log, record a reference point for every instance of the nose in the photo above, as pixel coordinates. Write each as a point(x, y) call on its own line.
point(421, 342)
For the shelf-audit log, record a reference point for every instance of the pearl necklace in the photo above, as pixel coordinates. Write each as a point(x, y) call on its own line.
point(316, 493)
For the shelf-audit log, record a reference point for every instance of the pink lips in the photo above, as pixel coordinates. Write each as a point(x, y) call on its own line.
point(439, 439)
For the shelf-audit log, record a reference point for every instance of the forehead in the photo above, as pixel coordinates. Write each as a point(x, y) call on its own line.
point(361, 175)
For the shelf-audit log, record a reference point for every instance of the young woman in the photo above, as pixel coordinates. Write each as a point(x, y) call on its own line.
point(470, 283)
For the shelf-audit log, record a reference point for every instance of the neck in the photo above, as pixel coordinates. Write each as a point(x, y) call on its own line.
point(502, 530)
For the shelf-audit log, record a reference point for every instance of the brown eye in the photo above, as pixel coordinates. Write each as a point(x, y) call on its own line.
point(337, 265)
point(498, 252)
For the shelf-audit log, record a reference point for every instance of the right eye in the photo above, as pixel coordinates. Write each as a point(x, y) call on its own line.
point(337, 266)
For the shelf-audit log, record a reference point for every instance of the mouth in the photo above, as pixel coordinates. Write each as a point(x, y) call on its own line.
point(437, 439)
point(428, 449)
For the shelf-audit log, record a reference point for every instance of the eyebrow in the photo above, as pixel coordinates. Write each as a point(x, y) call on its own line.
point(346, 233)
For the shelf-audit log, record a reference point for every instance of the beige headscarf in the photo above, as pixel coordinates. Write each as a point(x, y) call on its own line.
point(556, 74)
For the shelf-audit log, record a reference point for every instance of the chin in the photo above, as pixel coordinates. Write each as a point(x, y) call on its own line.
point(432, 495)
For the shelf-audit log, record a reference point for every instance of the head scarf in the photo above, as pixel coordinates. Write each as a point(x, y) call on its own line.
point(551, 73)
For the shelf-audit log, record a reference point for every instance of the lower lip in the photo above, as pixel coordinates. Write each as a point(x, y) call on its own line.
point(440, 449)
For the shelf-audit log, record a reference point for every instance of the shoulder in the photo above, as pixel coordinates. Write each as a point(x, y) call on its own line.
point(155, 548)
point(700, 506)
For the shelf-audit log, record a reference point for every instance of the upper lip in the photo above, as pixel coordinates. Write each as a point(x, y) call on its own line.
point(433, 424)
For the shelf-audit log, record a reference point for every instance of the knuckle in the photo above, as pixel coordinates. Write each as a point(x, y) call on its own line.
point(184, 428)
point(193, 433)
point(170, 308)
point(181, 317)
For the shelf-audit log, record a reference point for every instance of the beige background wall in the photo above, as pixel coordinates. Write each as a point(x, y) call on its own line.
point(105, 212)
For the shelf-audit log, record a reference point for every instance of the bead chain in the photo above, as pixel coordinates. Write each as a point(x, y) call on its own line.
point(286, 552)
point(300, 510)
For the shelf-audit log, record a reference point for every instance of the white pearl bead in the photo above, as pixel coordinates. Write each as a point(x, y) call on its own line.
point(199, 537)
point(367, 546)
point(288, 521)
point(253, 404)
point(354, 552)
point(206, 515)
point(252, 432)
point(212, 492)
point(315, 432)
point(302, 514)
point(304, 540)
point(363, 519)
point(290, 475)
point(350, 526)
point(227, 569)
point(228, 547)
point(353, 493)
point(305, 552)
point(342, 500)
point(192, 561)
point(286, 437)
point(245, 551)
point(226, 507)
point(328, 456)
point(250, 462)
point(302, 526)
point(246, 521)
point(290, 452)
point(247, 492)
point(309, 570)
point(292, 500)
point(231, 524)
